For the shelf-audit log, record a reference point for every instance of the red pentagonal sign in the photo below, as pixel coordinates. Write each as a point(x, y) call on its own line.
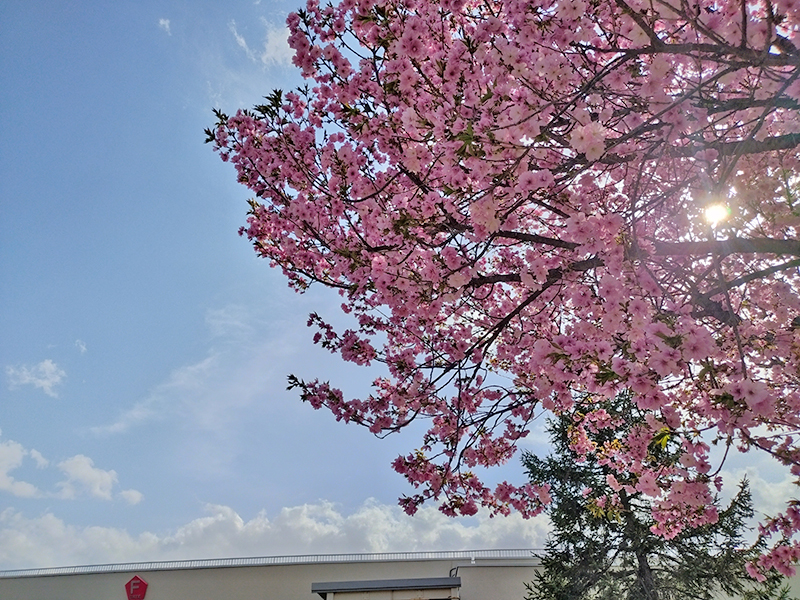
point(136, 588)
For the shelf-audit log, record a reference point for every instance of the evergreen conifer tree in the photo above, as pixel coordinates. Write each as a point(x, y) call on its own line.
point(602, 547)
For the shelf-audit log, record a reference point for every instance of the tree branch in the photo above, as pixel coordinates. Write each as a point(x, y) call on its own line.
point(755, 275)
point(750, 146)
point(718, 106)
point(537, 239)
point(726, 247)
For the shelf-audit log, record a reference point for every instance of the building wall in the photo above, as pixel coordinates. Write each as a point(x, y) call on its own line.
point(483, 580)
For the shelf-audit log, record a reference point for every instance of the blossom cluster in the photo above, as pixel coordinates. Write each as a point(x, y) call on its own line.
point(508, 195)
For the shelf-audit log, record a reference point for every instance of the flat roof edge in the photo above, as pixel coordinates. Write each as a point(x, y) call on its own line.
point(425, 583)
point(523, 555)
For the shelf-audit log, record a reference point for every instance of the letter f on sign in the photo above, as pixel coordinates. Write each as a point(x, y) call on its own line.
point(136, 588)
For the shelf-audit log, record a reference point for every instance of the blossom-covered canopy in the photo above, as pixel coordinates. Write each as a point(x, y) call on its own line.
point(510, 197)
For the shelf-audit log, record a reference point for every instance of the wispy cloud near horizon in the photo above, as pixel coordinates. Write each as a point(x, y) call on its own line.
point(313, 528)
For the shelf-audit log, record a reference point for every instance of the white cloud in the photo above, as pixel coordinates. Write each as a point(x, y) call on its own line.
point(131, 496)
point(45, 375)
point(308, 529)
point(276, 50)
point(212, 405)
point(770, 486)
point(41, 461)
point(138, 413)
point(81, 346)
point(233, 323)
point(164, 24)
point(248, 362)
point(183, 383)
point(240, 40)
point(11, 457)
point(47, 541)
point(83, 476)
point(276, 46)
point(377, 527)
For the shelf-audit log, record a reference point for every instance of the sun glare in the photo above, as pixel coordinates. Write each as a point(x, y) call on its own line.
point(716, 214)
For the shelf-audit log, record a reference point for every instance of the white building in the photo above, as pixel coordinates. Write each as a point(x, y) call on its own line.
point(463, 575)
point(459, 575)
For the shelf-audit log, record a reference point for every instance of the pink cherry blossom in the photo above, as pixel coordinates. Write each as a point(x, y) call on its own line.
point(509, 197)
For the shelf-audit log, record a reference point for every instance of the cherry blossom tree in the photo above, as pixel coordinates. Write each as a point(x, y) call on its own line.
point(509, 195)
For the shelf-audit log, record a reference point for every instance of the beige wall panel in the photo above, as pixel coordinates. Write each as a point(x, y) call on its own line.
point(281, 582)
point(484, 579)
point(494, 582)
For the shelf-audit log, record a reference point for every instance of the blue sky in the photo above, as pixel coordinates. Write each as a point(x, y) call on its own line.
point(144, 354)
point(143, 411)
